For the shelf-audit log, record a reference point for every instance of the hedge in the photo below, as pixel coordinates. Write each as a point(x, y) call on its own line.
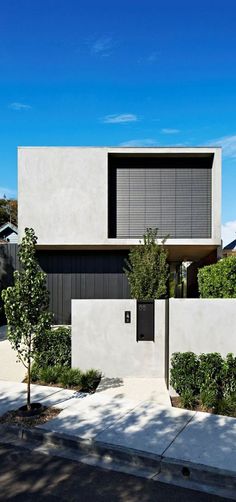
point(53, 348)
point(207, 378)
point(218, 280)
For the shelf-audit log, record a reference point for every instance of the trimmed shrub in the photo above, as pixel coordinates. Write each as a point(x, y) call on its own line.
point(230, 375)
point(184, 368)
point(53, 348)
point(207, 378)
point(210, 377)
point(218, 280)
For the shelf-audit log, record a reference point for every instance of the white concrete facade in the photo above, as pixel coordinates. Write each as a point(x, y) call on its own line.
point(63, 195)
point(102, 340)
point(202, 325)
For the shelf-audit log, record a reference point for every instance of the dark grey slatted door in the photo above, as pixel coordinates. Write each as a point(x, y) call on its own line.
point(175, 200)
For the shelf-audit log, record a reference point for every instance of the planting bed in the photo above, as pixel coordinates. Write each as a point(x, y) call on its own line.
point(14, 417)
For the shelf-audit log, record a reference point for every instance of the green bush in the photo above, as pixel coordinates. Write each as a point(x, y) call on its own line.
point(207, 378)
point(210, 378)
point(184, 368)
point(209, 397)
point(35, 371)
point(90, 380)
point(188, 399)
point(70, 377)
point(66, 377)
point(218, 280)
point(51, 374)
point(146, 269)
point(227, 405)
point(53, 348)
point(230, 375)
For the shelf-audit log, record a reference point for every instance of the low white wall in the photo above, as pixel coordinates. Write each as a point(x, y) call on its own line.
point(102, 340)
point(200, 325)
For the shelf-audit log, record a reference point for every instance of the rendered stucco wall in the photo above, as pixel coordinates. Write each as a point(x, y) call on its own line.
point(102, 340)
point(201, 325)
point(63, 194)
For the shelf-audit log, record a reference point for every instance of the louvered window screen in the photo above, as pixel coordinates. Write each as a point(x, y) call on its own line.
point(175, 200)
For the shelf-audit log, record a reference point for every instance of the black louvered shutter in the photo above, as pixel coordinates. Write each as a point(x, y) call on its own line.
point(175, 200)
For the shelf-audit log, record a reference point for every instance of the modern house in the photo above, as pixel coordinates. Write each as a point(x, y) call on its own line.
point(89, 206)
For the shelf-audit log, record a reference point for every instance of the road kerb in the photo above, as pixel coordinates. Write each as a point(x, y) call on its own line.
point(167, 470)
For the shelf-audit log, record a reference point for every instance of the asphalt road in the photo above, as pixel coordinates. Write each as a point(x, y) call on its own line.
point(27, 476)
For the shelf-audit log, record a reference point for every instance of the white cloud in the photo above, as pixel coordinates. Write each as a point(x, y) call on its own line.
point(140, 142)
point(19, 106)
point(9, 192)
point(170, 131)
point(102, 46)
point(228, 232)
point(120, 119)
point(228, 144)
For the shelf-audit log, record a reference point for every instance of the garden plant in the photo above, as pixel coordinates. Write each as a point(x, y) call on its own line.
point(218, 280)
point(147, 268)
point(206, 381)
point(26, 305)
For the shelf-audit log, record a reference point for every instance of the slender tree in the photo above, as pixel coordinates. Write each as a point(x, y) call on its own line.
point(147, 268)
point(26, 305)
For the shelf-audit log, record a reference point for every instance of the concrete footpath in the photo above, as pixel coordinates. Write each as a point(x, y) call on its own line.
point(143, 438)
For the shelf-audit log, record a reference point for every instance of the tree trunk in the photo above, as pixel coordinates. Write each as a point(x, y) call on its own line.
point(28, 387)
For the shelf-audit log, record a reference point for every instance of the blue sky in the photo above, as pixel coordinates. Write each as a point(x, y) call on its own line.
point(123, 72)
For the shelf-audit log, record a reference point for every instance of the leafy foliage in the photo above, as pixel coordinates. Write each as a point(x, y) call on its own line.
point(90, 380)
point(207, 378)
point(70, 377)
point(218, 280)
point(230, 375)
point(26, 304)
point(210, 378)
point(8, 211)
point(184, 372)
point(53, 347)
point(66, 377)
point(227, 405)
point(147, 269)
point(188, 399)
point(50, 374)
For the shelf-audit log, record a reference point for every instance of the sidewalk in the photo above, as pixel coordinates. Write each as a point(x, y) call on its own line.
point(169, 444)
